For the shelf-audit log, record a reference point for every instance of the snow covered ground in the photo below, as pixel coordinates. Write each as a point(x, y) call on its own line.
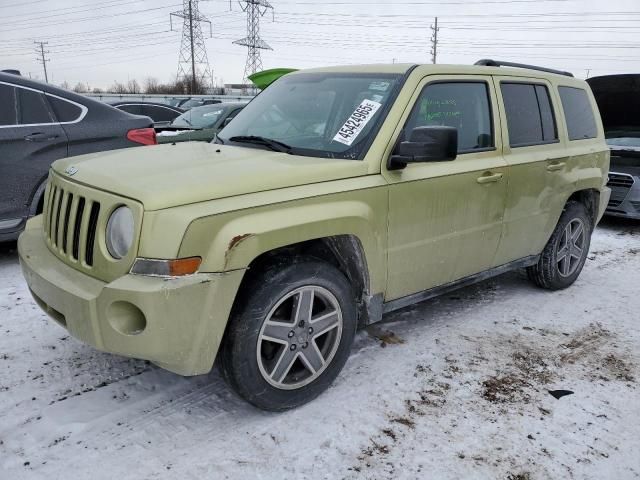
point(452, 388)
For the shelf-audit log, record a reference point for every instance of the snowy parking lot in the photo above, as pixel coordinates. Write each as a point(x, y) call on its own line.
point(456, 387)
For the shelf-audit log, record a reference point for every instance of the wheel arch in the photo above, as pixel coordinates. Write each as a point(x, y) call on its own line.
point(348, 233)
point(590, 198)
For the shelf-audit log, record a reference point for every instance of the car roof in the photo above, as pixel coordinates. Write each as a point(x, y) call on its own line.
point(216, 106)
point(53, 90)
point(439, 69)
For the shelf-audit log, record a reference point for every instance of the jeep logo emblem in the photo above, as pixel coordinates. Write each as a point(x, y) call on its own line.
point(71, 170)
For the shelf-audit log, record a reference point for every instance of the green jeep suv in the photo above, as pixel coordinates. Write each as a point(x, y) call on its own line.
point(335, 196)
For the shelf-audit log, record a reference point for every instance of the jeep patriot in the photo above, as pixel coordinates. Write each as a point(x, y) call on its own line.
point(337, 195)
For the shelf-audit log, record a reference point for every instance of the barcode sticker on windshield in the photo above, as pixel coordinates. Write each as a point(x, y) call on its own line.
point(356, 122)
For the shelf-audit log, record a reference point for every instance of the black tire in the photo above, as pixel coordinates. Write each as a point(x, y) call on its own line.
point(547, 273)
point(242, 357)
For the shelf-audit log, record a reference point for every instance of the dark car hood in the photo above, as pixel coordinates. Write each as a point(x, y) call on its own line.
point(618, 99)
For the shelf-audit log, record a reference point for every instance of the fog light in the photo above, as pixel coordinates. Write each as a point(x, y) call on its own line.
point(126, 318)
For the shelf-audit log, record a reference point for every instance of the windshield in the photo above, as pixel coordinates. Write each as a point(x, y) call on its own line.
point(199, 117)
point(318, 114)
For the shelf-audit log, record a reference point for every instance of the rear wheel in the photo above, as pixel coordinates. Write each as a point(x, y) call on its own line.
point(564, 256)
point(291, 334)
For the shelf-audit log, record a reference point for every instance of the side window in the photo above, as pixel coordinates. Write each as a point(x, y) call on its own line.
point(530, 118)
point(8, 105)
point(133, 109)
point(463, 105)
point(32, 108)
point(578, 113)
point(159, 114)
point(63, 110)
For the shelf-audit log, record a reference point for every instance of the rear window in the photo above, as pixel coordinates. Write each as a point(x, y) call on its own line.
point(64, 111)
point(530, 118)
point(578, 113)
point(8, 105)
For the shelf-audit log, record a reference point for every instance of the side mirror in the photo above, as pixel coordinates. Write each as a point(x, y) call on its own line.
point(426, 144)
point(226, 121)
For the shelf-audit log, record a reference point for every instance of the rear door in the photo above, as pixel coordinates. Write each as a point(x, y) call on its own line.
point(30, 140)
point(536, 155)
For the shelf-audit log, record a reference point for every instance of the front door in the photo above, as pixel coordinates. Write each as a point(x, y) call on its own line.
point(445, 218)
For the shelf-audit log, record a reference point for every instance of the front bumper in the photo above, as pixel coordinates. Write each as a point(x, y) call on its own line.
point(625, 202)
point(176, 323)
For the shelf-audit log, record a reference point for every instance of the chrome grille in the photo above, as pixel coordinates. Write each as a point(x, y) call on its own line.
point(620, 185)
point(70, 224)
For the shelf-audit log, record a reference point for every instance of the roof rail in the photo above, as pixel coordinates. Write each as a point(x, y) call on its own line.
point(498, 63)
point(11, 71)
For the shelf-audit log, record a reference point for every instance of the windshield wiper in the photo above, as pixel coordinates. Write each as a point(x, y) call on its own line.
point(274, 145)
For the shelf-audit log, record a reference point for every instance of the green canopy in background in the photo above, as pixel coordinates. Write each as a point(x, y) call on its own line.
point(266, 77)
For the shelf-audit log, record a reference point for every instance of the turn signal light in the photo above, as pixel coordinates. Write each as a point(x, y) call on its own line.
point(166, 268)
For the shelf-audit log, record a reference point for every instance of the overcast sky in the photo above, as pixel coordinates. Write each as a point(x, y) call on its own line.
point(99, 42)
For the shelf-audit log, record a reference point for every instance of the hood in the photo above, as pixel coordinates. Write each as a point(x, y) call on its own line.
point(618, 99)
point(163, 176)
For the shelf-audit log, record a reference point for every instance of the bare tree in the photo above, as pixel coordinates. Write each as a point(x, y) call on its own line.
point(118, 87)
point(152, 86)
point(133, 86)
point(81, 88)
point(65, 85)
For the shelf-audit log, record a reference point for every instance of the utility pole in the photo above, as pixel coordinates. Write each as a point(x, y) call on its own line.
point(42, 59)
point(254, 9)
point(193, 63)
point(434, 42)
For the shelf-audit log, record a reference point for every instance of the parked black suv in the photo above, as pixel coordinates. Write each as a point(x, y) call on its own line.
point(39, 124)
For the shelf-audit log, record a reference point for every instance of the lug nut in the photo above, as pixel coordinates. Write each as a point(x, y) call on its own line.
point(301, 324)
point(291, 334)
point(305, 344)
point(310, 330)
point(293, 347)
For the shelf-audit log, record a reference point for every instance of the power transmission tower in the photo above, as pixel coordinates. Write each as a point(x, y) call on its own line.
point(254, 9)
point(42, 58)
point(193, 64)
point(434, 42)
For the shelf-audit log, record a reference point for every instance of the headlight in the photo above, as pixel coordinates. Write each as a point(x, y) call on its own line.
point(120, 230)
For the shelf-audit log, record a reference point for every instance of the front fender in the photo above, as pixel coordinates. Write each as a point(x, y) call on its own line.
point(231, 241)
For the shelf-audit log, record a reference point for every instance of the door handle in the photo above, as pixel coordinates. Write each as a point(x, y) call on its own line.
point(40, 137)
point(554, 167)
point(496, 177)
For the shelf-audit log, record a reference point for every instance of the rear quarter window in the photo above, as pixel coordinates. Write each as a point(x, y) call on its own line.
point(63, 110)
point(578, 113)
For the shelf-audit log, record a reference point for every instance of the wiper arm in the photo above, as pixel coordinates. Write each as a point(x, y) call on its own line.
point(274, 145)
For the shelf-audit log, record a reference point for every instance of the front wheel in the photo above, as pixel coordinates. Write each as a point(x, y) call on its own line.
point(290, 334)
point(564, 256)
